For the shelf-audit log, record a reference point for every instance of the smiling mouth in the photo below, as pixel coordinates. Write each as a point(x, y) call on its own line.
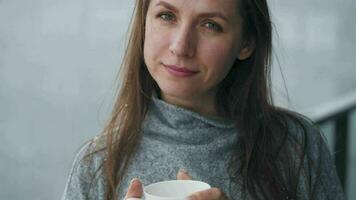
point(179, 71)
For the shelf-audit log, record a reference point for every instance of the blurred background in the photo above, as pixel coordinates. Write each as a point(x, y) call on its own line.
point(59, 61)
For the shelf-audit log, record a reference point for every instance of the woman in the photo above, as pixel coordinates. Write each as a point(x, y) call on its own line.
point(196, 95)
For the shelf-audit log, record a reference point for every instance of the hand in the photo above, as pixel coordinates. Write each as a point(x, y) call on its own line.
point(135, 191)
point(209, 194)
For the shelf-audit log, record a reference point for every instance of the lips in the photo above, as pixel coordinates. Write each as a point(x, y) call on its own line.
point(179, 71)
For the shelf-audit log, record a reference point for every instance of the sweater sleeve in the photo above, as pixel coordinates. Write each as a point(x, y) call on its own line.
point(81, 183)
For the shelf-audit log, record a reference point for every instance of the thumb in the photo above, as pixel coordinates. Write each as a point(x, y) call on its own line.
point(183, 175)
point(135, 190)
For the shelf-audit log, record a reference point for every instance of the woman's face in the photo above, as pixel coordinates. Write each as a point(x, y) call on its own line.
point(190, 46)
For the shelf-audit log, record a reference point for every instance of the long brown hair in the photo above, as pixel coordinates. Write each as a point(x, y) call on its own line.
point(244, 96)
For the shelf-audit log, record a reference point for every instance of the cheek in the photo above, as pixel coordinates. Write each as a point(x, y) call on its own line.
point(154, 45)
point(219, 57)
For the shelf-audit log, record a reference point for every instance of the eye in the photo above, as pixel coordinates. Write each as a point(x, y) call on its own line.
point(213, 26)
point(166, 16)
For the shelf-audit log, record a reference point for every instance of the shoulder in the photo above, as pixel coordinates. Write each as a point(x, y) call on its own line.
point(303, 137)
point(85, 176)
point(308, 155)
point(90, 156)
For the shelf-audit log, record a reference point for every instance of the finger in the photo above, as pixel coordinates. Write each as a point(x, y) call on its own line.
point(209, 194)
point(183, 175)
point(135, 189)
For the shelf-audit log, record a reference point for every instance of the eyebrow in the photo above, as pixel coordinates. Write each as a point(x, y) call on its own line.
point(201, 15)
point(167, 5)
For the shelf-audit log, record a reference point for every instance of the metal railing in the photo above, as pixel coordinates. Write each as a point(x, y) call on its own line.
point(338, 112)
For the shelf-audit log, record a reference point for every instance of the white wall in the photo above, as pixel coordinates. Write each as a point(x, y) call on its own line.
point(58, 64)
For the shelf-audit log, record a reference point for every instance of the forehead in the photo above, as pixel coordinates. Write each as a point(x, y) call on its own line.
point(227, 7)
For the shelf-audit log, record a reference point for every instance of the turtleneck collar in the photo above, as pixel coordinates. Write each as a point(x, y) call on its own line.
point(171, 124)
point(178, 117)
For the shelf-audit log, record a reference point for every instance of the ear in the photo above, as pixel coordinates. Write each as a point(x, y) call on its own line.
point(246, 49)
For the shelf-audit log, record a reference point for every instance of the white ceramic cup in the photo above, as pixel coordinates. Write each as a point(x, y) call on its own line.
point(173, 189)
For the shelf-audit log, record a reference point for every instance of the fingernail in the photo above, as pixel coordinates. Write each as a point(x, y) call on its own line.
point(133, 180)
point(183, 170)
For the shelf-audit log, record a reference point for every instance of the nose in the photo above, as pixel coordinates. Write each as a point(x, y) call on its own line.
point(183, 42)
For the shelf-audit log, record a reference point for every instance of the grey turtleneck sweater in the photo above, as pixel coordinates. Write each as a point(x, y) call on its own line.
point(174, 138)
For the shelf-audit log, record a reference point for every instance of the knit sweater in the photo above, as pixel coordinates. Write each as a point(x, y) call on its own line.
point(174, 138)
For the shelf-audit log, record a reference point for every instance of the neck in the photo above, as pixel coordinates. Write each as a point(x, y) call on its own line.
point(203, 106)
